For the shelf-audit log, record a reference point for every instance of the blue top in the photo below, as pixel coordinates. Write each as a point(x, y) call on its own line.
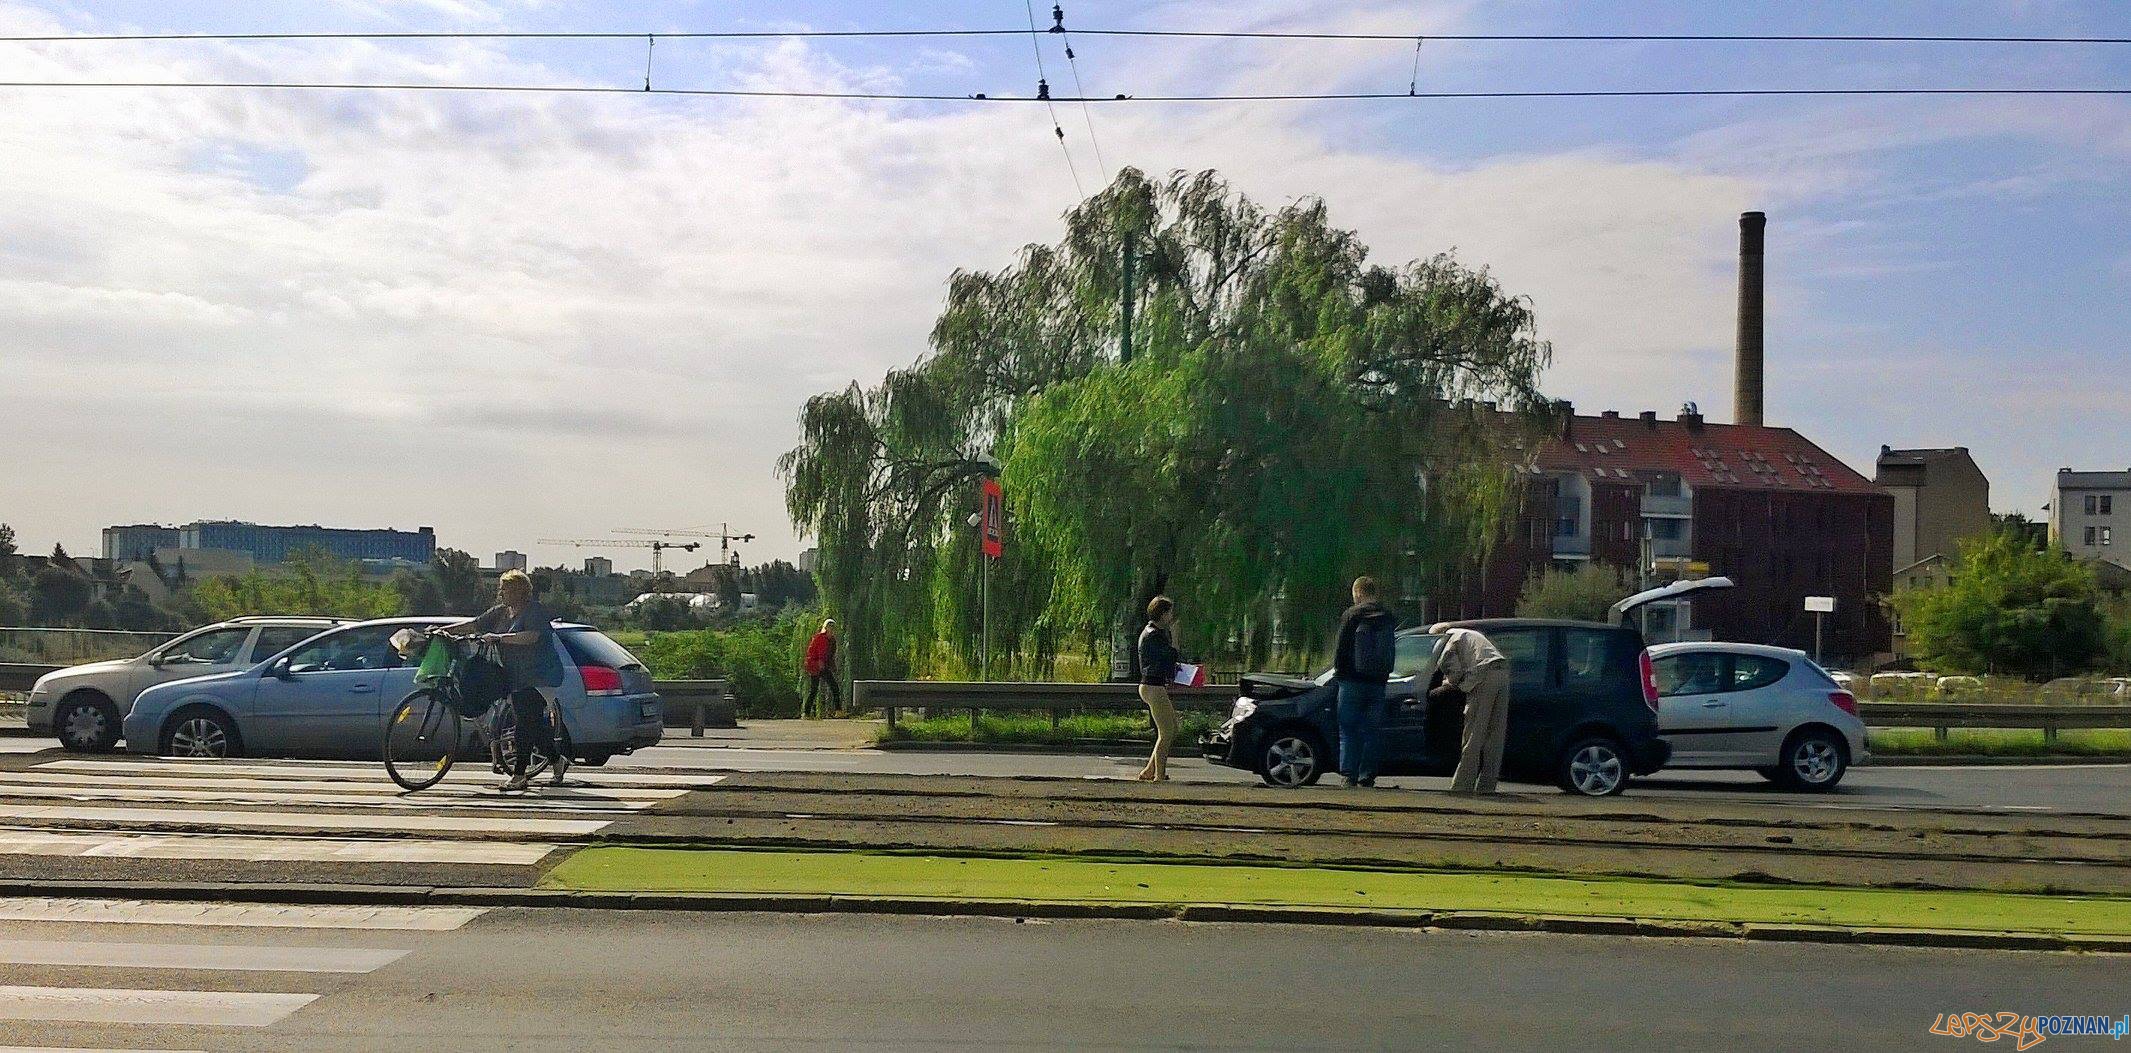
point(531, 665)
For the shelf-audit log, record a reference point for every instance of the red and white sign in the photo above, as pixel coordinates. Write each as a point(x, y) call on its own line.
point(993, 523)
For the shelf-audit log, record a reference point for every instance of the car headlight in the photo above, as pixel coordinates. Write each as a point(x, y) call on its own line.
point(1244, 707)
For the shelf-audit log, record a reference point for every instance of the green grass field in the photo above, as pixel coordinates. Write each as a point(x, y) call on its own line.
point(1078, 880)
point(1986, 742)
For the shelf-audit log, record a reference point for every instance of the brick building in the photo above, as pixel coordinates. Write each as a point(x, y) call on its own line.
point(1763, 506)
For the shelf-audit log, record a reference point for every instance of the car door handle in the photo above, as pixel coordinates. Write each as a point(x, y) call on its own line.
point(1714, 705)
point(364, 689)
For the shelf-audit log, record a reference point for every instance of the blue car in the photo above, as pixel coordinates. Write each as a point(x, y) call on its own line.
point(329, 696)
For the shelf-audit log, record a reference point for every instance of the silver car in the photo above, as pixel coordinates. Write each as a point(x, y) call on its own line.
point(1765, 709)
point(85, 704)
point(329, 696)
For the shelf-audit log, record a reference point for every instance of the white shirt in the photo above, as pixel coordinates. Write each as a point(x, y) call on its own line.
point(1466, 656)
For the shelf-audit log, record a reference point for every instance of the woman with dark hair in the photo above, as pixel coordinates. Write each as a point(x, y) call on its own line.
point(1157, 667)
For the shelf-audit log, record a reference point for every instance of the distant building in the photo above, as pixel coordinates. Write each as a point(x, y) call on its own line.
point(2088, 513)
point(268, 545)
point(134, 543)
point(1761, 505)
point(511, 559)
point(599, 566)
point(1940, 499)
point(807, 560)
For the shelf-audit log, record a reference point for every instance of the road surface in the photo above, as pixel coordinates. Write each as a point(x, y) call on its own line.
point(626, 981)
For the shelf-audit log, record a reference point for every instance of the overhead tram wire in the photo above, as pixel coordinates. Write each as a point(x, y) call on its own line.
point(1087, 115)
point(1218, 34)
point(877, 96)
point(1043, 94)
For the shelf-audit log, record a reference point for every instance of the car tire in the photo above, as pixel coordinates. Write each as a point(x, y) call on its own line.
point(1814, 761)
point(86, 722)
point(1593, 766)
point(595, 759)
point(1292, 757)
point(204, 733)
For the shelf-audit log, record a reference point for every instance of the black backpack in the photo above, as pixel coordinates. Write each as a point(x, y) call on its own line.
point(1375, 648)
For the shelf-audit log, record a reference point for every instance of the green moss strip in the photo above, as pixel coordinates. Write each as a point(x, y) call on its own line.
point(1069, 880)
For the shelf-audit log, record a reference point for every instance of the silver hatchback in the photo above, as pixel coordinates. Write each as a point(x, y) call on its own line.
point(1766, 709)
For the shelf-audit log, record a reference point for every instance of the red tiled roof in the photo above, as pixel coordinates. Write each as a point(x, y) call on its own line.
point(1736, 456)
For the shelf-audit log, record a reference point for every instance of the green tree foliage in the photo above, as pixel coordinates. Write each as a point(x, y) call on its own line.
point(59, 596)
point(2010, 610)
point(778, 584)
point(759, 659)
point(1292, 416)
point(309, 586)
point(14, 603)
point(1586, 593)
point(459, 585)
point(7, 541)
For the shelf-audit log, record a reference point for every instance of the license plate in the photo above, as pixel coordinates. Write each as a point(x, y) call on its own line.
point(651, 711)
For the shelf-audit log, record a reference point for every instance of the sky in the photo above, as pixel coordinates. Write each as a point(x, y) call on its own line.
point(529, 316)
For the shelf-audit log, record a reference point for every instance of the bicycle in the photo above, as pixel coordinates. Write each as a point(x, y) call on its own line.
point(427, 731)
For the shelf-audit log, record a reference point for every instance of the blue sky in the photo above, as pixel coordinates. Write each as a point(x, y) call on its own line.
point(525, 317)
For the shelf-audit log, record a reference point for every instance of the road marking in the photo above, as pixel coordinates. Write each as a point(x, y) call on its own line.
point(392, 823)
point(211, 956)
point(373, 786)
point(543, 798)
point(98, 1005)
point(73, 912)
point(21, 842)
point(374, 773)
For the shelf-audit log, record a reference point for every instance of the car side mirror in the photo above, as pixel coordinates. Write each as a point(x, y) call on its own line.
point(281, 670)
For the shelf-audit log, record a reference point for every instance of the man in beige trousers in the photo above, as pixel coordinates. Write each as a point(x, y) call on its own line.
point(1471, 664)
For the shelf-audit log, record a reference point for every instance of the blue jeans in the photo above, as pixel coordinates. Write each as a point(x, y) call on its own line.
point(1361, 729)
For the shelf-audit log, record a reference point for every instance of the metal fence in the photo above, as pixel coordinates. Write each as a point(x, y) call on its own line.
point(73, 646)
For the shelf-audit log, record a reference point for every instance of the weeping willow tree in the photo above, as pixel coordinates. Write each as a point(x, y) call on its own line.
point(1291, 416)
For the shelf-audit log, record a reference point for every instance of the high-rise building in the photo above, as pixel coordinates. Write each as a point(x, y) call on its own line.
point(599, 566)
point(511, 559)
point(277, 544)
point(135, 542)
point(1940, 499)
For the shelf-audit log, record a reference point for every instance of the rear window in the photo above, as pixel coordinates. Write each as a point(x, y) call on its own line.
point(1751, 671)
point(1587, 656)
point(592, 647)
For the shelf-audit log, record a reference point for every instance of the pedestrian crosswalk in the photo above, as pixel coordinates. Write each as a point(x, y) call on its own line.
point(307, 812)
point(73, 970)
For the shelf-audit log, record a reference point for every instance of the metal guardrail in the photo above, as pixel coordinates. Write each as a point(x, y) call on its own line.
point(890, 696)
point(709, 702)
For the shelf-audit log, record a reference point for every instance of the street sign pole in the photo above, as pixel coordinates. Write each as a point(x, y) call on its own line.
point(1821, 606)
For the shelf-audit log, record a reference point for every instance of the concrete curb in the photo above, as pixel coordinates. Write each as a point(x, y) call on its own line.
point(1469, 921)
point(1104, 748)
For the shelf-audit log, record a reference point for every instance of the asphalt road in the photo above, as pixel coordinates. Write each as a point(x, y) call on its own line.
point(2102, 789)
point(625, 981)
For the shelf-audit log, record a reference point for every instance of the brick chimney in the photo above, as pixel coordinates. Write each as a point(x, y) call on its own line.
point(1747, 381)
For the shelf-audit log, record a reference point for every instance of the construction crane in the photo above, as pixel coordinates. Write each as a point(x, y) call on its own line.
point(724, 536)
point(658, 548)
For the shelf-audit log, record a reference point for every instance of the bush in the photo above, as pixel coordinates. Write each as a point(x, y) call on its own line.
point(1585, 594)
point(760, 660)
point(2010, 610)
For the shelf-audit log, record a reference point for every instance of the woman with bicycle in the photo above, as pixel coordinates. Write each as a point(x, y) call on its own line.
point(524, 635)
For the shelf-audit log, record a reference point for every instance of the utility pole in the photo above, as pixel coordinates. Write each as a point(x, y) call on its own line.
point(1124, 305)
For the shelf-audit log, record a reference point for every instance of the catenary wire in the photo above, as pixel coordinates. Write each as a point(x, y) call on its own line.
point(738, 93)
point(1087, 115)
point(1043, 92)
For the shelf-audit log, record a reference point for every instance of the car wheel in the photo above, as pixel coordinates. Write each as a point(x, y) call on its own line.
point(87, 723)
point(1292, 757)
point(1596, 766)
point(201, 733)
point(595, 759)
point(1813, 762)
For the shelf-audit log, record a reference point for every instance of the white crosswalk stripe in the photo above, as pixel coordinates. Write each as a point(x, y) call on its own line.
point(307, 811)
point(187, 975)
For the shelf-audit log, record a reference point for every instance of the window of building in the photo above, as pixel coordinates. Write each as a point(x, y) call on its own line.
point(1664, 484)
point(1667, 529)
point(2090, 534)
point(2104, 535)
point(2090, 504)
point(2104, 503)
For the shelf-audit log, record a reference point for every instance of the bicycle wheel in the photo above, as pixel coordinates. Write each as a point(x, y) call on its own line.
point(421, 740)
point(503, 744)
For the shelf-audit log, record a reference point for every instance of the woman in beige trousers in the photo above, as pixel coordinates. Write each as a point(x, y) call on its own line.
point(1157, 667)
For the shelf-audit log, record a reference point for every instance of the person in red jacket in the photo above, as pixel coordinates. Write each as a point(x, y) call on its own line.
point(821, 671)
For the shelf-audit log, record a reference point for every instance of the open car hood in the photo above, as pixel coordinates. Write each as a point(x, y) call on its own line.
point(1621, 610)
point(1267, 687)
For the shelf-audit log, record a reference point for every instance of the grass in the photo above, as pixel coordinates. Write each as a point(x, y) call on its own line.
point(1987, 742)
point(1037, 729)
point(1076, 880)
